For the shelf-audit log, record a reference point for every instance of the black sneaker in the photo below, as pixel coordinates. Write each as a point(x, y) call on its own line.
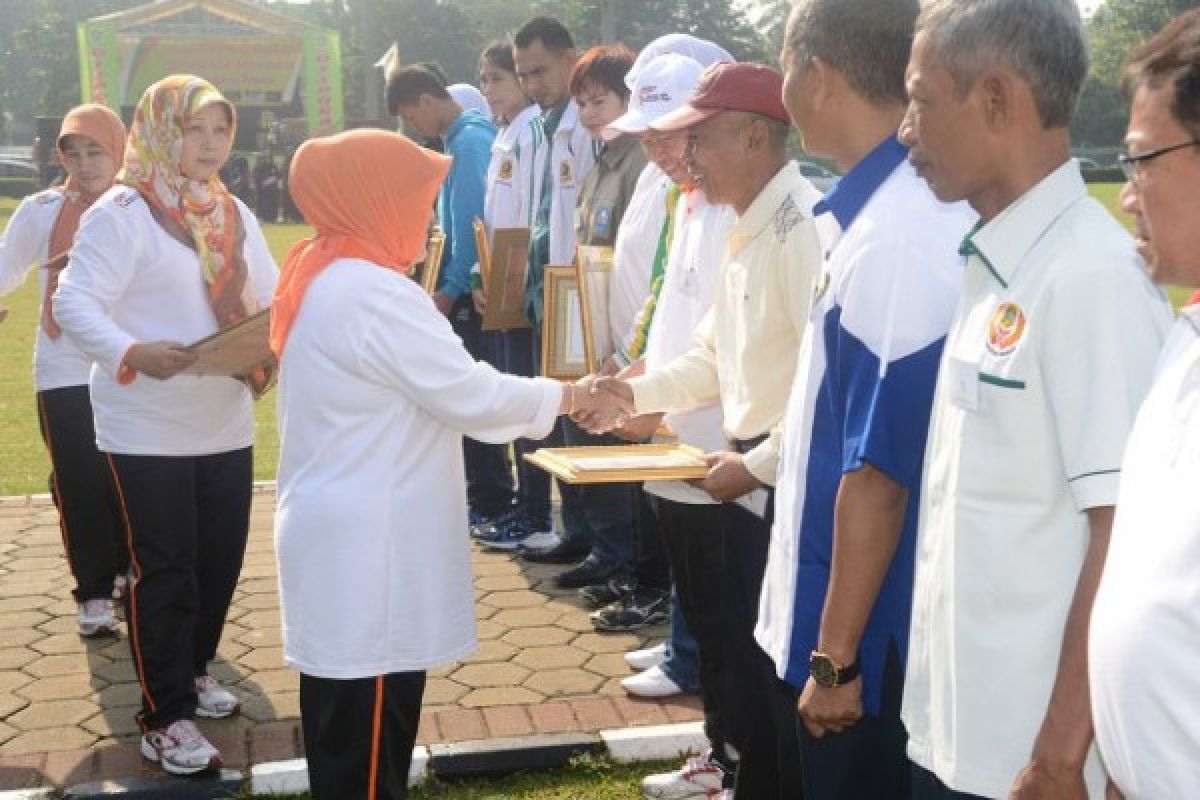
point(599, 595)
point(639, 608)
point(589, 571)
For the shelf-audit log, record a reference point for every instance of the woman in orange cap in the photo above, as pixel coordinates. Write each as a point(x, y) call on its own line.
point(41, 232)
point(375, 393)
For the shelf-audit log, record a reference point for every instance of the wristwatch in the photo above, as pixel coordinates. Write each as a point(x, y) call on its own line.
point(828, 673)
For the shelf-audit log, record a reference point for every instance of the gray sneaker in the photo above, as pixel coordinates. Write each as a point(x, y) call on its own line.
point(180, 748)
point(96, 618)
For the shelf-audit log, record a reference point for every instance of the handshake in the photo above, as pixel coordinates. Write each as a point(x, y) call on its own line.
point(602, 404)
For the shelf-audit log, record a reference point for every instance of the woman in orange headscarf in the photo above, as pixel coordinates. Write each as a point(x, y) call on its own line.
point(170, 257)
point(40, 233)
point(375, 393)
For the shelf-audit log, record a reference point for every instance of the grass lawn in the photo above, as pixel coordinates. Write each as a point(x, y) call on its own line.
point(23, 459)
point(585, 778)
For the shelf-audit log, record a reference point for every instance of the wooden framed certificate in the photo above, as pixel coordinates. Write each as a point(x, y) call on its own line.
point(630, 463)
point(481, 251)
point(434, 248)
point(564, 355)
point(594, 266)
point(236, 350)
point(504, 274)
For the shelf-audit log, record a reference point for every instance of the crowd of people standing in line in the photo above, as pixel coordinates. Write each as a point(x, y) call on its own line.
point(946, 546)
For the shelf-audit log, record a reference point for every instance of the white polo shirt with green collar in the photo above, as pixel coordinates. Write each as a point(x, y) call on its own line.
point(1048, 358)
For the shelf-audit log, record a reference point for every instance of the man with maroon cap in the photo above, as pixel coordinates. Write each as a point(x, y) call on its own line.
point(745, 357)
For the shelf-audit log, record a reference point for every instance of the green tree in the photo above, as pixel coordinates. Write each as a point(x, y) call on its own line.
point(1115, 29)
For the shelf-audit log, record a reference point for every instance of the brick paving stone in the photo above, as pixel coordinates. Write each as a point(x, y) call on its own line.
point(259, 602)
point(484, 611)
point(229, 736)
point(51, 714)
point(22, 619)
point(12, 680)
point(18, 637)
point(68, 767)
point(543, 635)
point(275, 741)
point(551, 657)
point(427, 729)
point(595, 713)
point(486, 675)
point(273, 680)
point(499, 696)
point(11, 704)
point(522, 598)
point(263, 658)
point(553, 717)
point(49, 666)
point(507, 721)
point(610, 665)
point(492, 650)
point(493, 583)
point(637, 711)
point(48, 740)
point(16, 657)
point(6, 732)
point(607, 643)
point(485, 629)
point(62, 687)
point(443, 691)
point(461, 724)
point(125, 693)
point(21, 771)
point(62, 643)
point(114, 721)
point(576, 621)
point(563, 682)
point(684, 708)
point(122, 759)
point(266, 637)
point(522, 617)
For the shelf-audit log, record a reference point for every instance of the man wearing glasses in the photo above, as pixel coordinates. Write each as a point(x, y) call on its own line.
point(1145, 635)
point(1047, 360)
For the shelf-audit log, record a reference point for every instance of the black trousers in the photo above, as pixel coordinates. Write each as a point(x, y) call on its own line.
point(651, 565)
point(761, 709)
point(488, 469)
point(359, 734)
point(694, 538)
point(868, 760)
point(599, 514)
point(82, 488)
point(187, 520)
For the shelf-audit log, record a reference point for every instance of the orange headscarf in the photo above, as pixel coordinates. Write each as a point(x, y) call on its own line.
point(368, 194)
point(102, 126)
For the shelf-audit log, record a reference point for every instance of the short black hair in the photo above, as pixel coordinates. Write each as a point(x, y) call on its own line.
point(407, 85)
point(500, 55)
point(553, 35)
point(1172, 57)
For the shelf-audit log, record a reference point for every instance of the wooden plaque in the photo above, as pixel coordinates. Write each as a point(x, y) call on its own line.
point(504, 276)
point(630, 463)
point(235, 351)
point(594, 266)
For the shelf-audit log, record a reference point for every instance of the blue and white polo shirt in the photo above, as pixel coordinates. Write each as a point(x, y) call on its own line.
point(863, 392)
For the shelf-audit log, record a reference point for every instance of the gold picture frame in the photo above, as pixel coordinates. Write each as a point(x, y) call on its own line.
point(234, 351)
point(564, 354)
point(505, 271)
point(630, 463)
point(435, 247)
point(594, 268)
point(482, 251)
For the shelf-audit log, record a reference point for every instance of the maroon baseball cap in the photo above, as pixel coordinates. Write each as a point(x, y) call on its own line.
point(756, 88)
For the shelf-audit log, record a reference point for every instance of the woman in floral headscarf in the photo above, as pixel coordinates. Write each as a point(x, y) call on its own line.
point(170, 257)
point(41, 231)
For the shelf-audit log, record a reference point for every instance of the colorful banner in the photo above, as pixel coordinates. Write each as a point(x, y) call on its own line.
point(263, 65)
point(99, 64)
point(323, 82)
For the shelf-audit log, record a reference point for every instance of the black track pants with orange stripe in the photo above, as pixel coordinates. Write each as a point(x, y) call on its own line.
point(359, 734)
point(82, 487)
point(187, 519)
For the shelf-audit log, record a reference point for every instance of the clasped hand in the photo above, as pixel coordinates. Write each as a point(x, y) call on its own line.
point(602, 403)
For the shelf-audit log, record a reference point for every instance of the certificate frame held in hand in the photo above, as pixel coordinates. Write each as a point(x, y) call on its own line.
point(435, 246)
point(632, 463)
point(235, 351)
point(564, 352)
point(594, 266)
point(504, 270)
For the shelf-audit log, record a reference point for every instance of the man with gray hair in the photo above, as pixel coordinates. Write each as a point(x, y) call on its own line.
point(834, 611)
point(1048, 357)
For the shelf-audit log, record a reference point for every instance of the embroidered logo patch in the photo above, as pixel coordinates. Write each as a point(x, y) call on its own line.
point(564, 174)
point(506, 170)
point(1006, 329)
point(125, 199)
point(46, 198)
point(652, 94)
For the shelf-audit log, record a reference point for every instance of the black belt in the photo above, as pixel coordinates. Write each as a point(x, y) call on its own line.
point(744, 446)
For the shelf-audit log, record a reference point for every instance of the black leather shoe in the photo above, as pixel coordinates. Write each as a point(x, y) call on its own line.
point(562, 553)
point(585, 574)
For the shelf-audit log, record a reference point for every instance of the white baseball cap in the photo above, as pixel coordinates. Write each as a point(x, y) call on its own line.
point(701, 50)
point(663, 85)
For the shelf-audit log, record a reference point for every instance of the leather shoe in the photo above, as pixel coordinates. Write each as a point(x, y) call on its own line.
point(589, 571)
point(565, 552)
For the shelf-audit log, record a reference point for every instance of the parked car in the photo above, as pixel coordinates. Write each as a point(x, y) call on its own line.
point(820, 177)
point(17, 177)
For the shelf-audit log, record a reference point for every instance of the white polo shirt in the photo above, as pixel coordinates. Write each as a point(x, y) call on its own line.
point(1047, 360)
point(1145, 638)
point(633, 255)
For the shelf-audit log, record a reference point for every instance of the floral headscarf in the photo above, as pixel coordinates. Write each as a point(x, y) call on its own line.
point(203, 209)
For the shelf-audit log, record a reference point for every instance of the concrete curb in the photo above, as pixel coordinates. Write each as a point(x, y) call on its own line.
point(458, 760)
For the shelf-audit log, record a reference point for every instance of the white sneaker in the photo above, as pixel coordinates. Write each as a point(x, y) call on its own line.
point(698, 777)
point(651, 683)
point(180, 748)
point(96, 618)
point(213, 700)
point(647, 658)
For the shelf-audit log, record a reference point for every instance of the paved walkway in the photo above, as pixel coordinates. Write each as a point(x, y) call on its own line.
point(67, 705)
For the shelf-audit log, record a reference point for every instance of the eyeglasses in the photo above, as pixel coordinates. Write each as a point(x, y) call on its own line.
point(1130, 165)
